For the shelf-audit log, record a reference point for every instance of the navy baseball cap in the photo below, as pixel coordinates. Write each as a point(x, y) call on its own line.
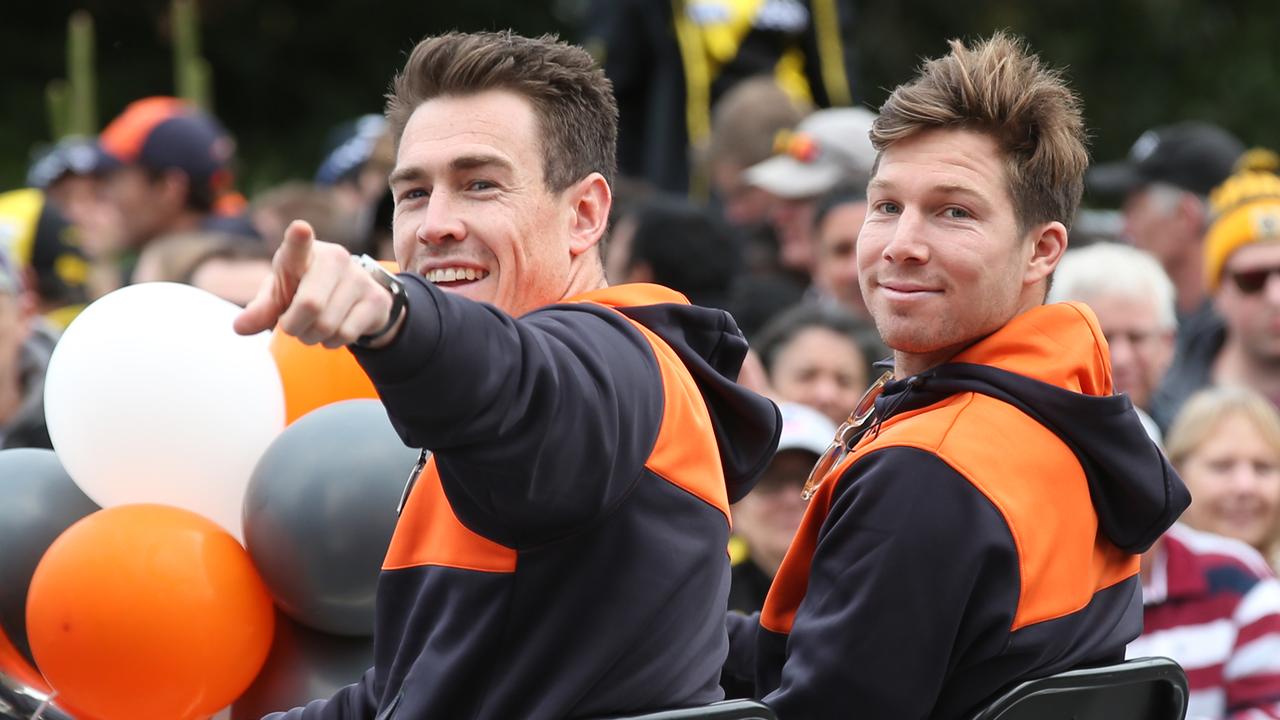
point(164, 133)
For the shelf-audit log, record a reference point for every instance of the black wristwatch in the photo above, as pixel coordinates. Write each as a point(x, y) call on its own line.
point(399, 299)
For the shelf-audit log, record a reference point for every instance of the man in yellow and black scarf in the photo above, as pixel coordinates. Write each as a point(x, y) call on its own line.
point(670, 61)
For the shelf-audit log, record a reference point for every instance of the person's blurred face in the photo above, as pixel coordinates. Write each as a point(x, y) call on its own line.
point(1140, 349)
point(1253, 318)
point(235, 280)
point(14, 328)
point(744, 204)
point(1152, 223)
point(792, 219)
point(835, 272)
point(144, 207)
point(473, 212)
point(102, 228)
point(767, 518)
point(76, 196)
point(1234, 479)
point(941, 259)
point(822, 369)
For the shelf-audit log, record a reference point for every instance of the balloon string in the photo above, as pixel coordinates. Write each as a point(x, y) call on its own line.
point(44, 706)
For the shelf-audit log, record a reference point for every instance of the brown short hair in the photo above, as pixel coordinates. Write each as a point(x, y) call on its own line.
point(573, 100)
point(1000, 88)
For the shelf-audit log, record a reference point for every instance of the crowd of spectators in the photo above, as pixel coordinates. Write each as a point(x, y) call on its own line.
point(1189, 303)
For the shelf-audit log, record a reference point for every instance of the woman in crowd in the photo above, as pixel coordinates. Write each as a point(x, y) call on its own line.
point(818, 355)
point(1226, 445)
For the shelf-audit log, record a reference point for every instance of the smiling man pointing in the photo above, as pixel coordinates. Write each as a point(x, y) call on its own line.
point(562, 554)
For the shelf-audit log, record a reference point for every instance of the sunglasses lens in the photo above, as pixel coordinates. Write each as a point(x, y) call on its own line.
point(835, 452)
point(845, 435)
point(1251, 281)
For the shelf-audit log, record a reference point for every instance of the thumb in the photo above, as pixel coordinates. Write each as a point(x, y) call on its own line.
point(262, 312)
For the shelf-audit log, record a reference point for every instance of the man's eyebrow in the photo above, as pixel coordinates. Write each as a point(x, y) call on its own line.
point(471, 162)
point(414, 173)
point(957, 188)
point(946, 188)
point(409, 174)
point(878, 183)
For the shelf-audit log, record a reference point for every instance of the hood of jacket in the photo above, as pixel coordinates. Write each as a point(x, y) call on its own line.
point(712, 348)
point(1052, 363)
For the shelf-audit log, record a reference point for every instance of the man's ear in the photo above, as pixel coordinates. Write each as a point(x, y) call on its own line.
point(1048, 243)
point(589, 202)
point(1193, 211)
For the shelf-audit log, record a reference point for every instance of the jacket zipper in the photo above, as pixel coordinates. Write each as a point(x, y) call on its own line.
point(413, 478)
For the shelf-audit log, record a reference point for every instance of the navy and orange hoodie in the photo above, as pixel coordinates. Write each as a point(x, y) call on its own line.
point(983, 532)
point(563, 553)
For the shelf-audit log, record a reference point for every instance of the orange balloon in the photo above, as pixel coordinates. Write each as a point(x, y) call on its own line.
point(13, 664)
point(314, 376)
point(148, 612)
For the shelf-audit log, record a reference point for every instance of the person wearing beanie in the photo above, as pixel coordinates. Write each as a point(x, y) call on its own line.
point(1241, 262)
point(45, 247)
point(1164, 184)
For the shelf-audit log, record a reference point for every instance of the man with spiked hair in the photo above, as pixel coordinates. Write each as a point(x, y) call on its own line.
point(978, 520)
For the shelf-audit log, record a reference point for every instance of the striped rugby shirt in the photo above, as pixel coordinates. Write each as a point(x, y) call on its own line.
point(1212, 604)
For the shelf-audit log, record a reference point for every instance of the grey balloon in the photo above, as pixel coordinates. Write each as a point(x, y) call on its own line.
point(303, 665)
point(320, 510)
point(38, 501)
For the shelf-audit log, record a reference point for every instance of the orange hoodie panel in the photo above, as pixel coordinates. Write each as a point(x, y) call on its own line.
point(685, 454)
point(430, 534)
point(1032, 478)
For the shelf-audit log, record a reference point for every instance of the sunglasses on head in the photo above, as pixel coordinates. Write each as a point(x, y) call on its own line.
point(1251, 282)
point(846, 435)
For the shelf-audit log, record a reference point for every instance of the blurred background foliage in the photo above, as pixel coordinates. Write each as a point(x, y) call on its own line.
point(284, 72)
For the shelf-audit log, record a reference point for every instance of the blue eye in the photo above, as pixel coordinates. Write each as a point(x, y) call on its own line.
point(481, 185)
point(889, 207)
point(956, 213)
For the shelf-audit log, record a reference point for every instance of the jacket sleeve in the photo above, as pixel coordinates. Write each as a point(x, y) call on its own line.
point(741, 660)
point(912, 566)
point(353, 702)
point(549, 417)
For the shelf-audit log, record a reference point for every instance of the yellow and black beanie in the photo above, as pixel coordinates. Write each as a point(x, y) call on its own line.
point(35, 235)
point(1245, 209)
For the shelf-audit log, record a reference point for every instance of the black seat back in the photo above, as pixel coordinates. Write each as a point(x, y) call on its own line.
point(1142, 689)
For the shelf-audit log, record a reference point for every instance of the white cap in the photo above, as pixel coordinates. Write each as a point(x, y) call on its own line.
point(804, 428)
point(841, 152)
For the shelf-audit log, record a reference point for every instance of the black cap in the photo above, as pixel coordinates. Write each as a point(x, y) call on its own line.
point(1194, 156)
point(70, 156)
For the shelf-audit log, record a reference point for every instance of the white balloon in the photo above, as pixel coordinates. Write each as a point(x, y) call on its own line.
point(152, 397)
